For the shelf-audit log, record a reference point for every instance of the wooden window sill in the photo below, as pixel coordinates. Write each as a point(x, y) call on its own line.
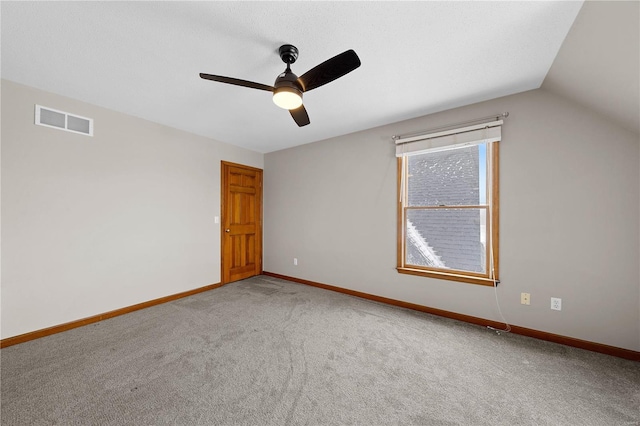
point(446, 276)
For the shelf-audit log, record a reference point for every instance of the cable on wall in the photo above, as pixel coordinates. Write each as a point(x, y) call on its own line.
point(507, 328)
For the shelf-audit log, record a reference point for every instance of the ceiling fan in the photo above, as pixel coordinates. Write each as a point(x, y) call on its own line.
point(288, 87)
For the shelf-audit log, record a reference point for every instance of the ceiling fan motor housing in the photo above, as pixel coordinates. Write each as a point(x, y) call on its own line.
point(288, 79)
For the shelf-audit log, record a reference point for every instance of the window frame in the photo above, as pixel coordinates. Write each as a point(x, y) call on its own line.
point(491, 277)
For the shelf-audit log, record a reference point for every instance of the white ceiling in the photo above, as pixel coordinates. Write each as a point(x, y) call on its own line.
point(143, 59)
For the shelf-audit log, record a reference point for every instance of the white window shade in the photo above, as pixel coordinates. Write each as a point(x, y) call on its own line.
point(448, 139)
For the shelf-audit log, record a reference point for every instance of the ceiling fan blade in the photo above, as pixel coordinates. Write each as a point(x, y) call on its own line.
point(300, 116)
point(330, 70)
point(237, 82)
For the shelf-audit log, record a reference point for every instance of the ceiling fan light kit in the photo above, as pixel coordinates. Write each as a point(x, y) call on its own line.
point(288, 87)
point(287, 97)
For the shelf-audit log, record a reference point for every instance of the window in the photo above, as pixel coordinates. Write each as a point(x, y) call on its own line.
point(448, 206)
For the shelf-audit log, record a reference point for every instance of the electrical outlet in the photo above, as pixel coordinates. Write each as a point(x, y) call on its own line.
point(295, 261)
point(525, 299)
point(556, 303)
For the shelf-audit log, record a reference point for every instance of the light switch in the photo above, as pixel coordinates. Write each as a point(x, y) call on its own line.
point(216, 219)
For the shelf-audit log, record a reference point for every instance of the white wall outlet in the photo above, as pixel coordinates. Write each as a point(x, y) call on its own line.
point(556, 303)
point(295, 261)
point(525, 299)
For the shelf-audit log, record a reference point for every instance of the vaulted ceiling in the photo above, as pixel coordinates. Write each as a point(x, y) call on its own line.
point(599, 62)
point(143, 59)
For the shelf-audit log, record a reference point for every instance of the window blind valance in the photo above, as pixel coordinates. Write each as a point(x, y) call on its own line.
point(448, 139)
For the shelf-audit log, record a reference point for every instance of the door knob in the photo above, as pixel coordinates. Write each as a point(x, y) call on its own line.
point(227, 230)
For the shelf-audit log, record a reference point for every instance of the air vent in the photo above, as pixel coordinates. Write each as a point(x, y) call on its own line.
point(50, 117)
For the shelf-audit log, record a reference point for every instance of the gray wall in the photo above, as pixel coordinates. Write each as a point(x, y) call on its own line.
point(570, 227)
point(92, 224)
point(95, 224)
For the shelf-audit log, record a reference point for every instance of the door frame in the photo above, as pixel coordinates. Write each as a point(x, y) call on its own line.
point(223, 200)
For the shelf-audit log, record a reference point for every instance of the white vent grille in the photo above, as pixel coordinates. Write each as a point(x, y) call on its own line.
point(50, 117)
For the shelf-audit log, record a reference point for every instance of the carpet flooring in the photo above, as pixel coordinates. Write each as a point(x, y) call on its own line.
point(264, 351)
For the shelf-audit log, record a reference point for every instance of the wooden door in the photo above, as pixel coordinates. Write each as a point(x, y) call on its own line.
point(241, 222)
